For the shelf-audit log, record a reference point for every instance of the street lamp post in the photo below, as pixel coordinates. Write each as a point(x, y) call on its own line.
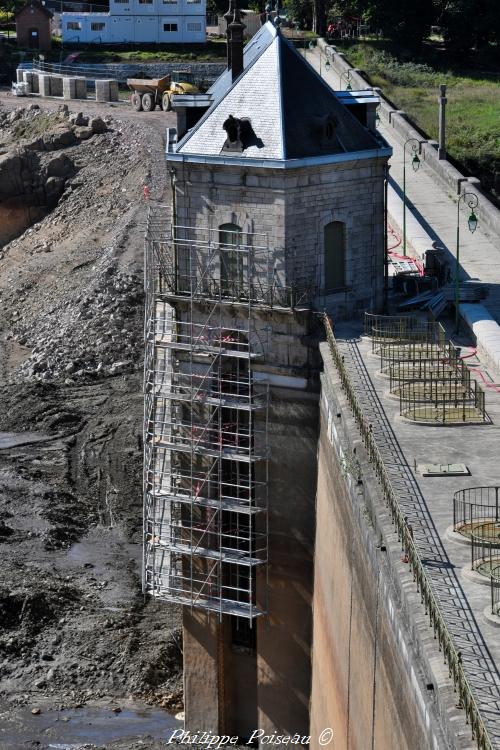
point(347, 74)
point(415, 162)
point(327, 64)
point(472, 201)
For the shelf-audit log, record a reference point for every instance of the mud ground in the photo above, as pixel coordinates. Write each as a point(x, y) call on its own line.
point(75, 631)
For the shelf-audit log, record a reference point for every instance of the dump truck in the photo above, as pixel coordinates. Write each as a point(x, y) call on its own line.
point(149, 93)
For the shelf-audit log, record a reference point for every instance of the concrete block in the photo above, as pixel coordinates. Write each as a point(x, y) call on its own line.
point(44, 84)
point(69, 88)
point(106, 90)
point(56, 86)
point(81, 88)
point(28, 79)
point(19, 75)
point(34, 83)
point(102, 91)
point(113, 91)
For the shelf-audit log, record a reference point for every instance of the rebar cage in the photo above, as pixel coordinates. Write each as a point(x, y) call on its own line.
point(206, 415)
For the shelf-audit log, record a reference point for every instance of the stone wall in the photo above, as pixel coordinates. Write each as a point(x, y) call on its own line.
point(122, 71)
point(378, 678)
point(290, 208)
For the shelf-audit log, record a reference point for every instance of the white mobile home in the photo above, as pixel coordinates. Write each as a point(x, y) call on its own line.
point(138, 21)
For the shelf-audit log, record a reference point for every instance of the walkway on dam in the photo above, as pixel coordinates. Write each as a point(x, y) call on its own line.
point(430, 512)
point(428, 509)
point(436, 210)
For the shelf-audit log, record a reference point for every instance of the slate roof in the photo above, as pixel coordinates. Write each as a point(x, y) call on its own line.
point(34, 4)
point(287, 103)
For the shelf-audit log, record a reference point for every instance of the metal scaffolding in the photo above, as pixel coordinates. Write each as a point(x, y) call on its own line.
point(205, 422)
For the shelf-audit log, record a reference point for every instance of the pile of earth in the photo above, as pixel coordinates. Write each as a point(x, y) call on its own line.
point(74, 624)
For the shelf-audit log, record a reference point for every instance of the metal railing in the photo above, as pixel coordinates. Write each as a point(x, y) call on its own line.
point(495, 589)
point(450, 401)
point(402, 330)
point(116, 71)
point(475, 505)
point(423, 370)
point(436, 620)
point(485, 547)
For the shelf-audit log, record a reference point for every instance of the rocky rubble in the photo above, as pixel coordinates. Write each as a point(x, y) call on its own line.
point(98, 333)
point(30, 176)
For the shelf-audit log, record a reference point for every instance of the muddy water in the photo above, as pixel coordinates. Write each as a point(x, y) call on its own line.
point(13, 439)
point(69, 729)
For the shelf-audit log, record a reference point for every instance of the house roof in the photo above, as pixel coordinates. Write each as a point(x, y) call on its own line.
point(34, 4)
point(293, 113)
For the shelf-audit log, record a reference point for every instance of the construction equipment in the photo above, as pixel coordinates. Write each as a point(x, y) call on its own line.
point(148, 93)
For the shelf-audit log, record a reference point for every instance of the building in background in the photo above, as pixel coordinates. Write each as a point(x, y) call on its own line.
point(33, 26)
point(276, 213)
point(138, 21)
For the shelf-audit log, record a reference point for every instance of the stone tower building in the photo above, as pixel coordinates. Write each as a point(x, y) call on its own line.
point(277, 213)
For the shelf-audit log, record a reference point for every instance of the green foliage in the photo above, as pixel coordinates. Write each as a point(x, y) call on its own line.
point(473, 135)
point(470, 24)
point(301, 11)
point(465, 24)
point(36, 127)
point(213, 51)
point(217, 7)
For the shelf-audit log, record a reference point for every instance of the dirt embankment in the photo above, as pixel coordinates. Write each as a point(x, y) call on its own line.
point(73, 623)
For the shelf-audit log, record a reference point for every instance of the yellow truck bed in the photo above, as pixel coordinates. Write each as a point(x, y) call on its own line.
point(149, 85)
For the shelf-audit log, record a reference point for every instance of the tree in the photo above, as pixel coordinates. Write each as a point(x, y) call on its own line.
point(408, 21)
point(469, 24)
point(300, 11)
point(11, 6)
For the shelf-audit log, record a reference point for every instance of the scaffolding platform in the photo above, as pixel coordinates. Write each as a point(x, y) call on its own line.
point(206, 414)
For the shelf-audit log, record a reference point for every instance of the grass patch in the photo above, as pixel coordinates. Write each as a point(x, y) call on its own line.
point(473, 115)
point(213, 51)
point(37, 126)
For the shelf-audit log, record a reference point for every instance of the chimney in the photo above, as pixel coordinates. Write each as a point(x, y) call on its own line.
point(235, 44)
point(228, 15)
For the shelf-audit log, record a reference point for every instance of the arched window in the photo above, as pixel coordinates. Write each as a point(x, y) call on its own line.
point(231, 260)
point(334, 243)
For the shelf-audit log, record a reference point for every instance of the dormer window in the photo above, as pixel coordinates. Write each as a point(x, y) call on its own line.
point(240, 134)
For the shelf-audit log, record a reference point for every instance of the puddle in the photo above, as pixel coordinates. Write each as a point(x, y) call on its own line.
point(12, 439)
point(65, 730)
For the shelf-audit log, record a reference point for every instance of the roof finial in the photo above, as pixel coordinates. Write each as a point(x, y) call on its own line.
point(277, 20)
point(228, 15)
point(235, 42)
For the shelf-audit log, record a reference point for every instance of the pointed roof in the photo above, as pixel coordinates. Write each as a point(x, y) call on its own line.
point(34, 4)
point(288, 104)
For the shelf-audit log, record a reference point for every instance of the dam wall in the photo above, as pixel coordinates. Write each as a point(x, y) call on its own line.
point(378, 678)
